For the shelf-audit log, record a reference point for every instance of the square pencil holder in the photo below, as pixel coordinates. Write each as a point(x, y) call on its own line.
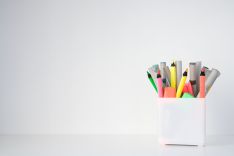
point(181, 121)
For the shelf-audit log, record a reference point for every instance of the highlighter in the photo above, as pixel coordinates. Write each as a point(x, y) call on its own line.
point(152, 82)
point(187, 95)
point(163, 73)
point(168, 74)
point(178, 72)
point(153, 72)
point(155, 68)
point(193, 77)
point(202, 84)
point(214, 74)
point(211, 79)
point(159, 84)
point(173, 75)
point(207, 71)
point(198, 71)
point(181, 85)
point(190, 88)
point(169, 92)
point(185, 89)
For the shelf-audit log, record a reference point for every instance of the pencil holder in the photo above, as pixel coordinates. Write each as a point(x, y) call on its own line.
point(181, 121)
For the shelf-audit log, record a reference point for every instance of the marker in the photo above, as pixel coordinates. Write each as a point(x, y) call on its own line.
point(185, 89)
point(163, 73)
point(202, 84)
point(181, 85)
point(211, 79)
point(159, 84)
point(187, 95)
point(169, 92)
point(153, 72)
point(152, 82)
point(167, 77)
point(198, 71)
point(178, 72)
point(168, 74)
point(155, 68)
point(190, 88)
point(207, 71)
point(173, 75)
point(192, 72)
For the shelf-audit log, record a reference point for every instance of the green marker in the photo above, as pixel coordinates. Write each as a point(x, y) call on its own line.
point(152, 81)
point(187, 95)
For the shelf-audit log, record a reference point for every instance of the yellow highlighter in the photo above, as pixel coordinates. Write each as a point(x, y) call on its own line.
point(173, 75)
point(181, 85)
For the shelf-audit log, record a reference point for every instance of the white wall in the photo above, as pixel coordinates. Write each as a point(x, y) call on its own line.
point(70, 67)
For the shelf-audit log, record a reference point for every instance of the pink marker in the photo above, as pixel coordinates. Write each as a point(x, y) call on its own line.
point(185, 89)
point(160, 84)
point(190, 88)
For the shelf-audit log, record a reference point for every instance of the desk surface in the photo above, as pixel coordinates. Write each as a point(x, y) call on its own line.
point(86, 145)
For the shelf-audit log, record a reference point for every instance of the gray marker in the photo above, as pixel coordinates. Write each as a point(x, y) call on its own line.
point(207, 71)
point(198, 71)
point(168, 74)
point(167, 77)
point(163, 72)
point(153, 72)
point(178, 72)
point(211, 79)
point(193, 77)
point(155, 68)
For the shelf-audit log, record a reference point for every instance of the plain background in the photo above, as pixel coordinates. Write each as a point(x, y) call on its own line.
point(79, 67)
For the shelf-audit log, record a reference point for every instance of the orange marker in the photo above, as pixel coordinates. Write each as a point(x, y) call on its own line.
point(202, 84)
point(169, 92)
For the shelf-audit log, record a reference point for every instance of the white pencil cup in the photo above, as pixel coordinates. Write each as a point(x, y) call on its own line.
point(181, 121)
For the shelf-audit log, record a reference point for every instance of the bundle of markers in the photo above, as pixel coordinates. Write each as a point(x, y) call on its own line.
point(171, 83)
